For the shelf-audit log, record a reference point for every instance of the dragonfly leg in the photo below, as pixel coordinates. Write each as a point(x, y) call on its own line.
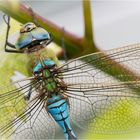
point(19, 76)
point(13, 50)
point(33, 17)
point(63, 85)
point(28, 96)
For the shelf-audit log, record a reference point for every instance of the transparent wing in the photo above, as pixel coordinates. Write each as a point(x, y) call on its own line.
point(121, 63)
point(106, 108)
point(103, 89)
point(22, 119)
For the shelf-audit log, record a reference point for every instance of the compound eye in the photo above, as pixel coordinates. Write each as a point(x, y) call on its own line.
point(29, 27)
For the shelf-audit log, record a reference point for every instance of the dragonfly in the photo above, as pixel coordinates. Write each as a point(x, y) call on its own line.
point(98, 92)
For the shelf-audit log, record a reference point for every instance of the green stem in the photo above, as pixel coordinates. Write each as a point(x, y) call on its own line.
point(87, 20)
point(88, 42)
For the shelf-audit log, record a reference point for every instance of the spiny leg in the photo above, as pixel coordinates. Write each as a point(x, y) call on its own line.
point(33, 17)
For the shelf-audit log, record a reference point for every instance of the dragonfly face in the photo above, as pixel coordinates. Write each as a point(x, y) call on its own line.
point(32, 38)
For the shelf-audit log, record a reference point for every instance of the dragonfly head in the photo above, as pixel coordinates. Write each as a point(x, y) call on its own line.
point(32, 38)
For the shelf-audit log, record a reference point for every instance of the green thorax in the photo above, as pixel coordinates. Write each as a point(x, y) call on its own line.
point(50, 83)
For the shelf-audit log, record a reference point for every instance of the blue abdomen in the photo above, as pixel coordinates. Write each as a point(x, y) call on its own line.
point(58, 108)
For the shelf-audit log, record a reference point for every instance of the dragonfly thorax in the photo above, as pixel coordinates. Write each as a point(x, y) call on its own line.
point(49, 81)
point(44, 73)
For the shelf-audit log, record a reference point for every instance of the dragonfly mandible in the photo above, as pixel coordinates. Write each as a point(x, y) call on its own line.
point(81, 90)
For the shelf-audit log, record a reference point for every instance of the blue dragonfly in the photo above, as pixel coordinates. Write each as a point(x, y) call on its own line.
point(82, 91)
